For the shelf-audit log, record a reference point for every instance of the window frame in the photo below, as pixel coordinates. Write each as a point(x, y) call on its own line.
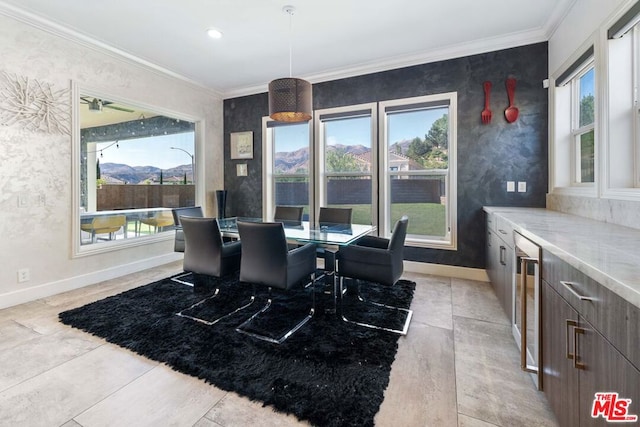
point(321, 177)
point(381, 197)
point(577, 131)
point(562, 113)
point(77, 249)
point(450, 100)
point(268, 175)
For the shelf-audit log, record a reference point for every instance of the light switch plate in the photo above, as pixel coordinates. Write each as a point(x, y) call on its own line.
point(522, 186)
point(511, 186)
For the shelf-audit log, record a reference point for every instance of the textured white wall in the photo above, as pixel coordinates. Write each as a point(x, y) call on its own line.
point(584, 18)
point(39, 237)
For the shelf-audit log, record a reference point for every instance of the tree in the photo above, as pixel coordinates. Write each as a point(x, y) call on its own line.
point(438, 135)
point(586, 110)
point(184, 180)
point(417, 149)
point(98, 172)
point(338, 160)
point(161, 180)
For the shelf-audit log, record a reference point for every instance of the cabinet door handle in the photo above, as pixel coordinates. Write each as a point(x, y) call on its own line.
point(570, 287)
point(503, 252)
point(570, 323)
point(576, 363)
point(524, 262)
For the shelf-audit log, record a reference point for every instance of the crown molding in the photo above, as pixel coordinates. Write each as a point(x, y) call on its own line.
point(449, 52)
point(66, 33)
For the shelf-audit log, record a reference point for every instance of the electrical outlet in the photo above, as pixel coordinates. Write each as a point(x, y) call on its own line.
point(511, 186)
point(24, 275)
point(522, 186)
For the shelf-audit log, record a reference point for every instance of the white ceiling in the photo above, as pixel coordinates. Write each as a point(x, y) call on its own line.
point(331, 38)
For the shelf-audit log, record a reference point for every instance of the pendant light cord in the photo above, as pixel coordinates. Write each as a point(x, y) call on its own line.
point(290, 11)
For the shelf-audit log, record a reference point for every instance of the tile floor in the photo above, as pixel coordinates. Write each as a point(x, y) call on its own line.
point(458, 366)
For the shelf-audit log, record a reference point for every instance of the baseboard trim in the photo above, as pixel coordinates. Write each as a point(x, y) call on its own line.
point(52, 288)
point(447, 271)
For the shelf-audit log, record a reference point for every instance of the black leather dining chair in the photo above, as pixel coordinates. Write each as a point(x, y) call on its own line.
point(267, 261)
point(194, 211)
point(378, 260)
point(288, 215)
point(328, 216)
point(206, 255)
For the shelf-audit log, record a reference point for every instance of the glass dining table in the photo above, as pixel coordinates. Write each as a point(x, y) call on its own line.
point(329, 236)
point(326, 234)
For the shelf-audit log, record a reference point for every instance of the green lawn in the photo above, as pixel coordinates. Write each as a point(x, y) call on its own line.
point(424, 218)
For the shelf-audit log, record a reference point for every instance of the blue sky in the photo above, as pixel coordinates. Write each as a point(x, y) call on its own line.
point(586, 84)
point(155, 151)
point(405, 125)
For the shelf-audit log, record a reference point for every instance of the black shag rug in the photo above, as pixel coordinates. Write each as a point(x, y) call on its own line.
point(329, 373)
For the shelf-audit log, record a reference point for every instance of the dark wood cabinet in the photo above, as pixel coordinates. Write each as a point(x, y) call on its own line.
point(500, 265)
point(578, 361)
point(559, 377)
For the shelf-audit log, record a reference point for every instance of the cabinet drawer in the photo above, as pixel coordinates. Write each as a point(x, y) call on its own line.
point(616, 319)
point(491, 222)
point(504, 230)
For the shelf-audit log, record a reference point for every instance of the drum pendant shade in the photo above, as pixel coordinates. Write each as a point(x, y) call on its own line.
point(290, 100)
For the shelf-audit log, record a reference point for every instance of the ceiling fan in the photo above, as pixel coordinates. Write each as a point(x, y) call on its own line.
point(96, 105)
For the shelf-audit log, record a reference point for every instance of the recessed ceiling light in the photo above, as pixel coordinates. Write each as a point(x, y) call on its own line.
point(214, 33)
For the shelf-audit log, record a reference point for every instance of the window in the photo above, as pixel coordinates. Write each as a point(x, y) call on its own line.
point(288, 164)
point(411, 170)
point(347, 160)
point(583, 96)
point(574, 151)
point(133, 164)
point(418, 157)
point(621, 144)
point(596, 114)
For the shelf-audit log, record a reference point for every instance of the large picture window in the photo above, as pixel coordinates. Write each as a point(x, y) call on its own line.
point(132, 165)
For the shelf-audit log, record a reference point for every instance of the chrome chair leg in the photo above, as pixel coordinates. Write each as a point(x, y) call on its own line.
point(178, 279)
point(242, 328)
point(212, 322)
point(408, 313)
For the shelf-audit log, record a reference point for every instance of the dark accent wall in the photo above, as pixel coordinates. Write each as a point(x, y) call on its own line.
point(488, 155)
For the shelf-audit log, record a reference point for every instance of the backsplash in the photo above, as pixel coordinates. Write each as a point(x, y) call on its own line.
point(621, 212)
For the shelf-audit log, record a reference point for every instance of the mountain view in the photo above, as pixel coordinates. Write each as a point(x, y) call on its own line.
point(430, 152)
point(290, 162)
point(116, 173)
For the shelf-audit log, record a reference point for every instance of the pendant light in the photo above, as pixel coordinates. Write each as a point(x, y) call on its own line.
point(290, 98)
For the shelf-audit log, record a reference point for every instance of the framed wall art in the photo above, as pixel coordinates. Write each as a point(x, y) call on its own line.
point(242, 145)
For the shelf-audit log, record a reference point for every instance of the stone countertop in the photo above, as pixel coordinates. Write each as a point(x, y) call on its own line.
point(608, 253)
